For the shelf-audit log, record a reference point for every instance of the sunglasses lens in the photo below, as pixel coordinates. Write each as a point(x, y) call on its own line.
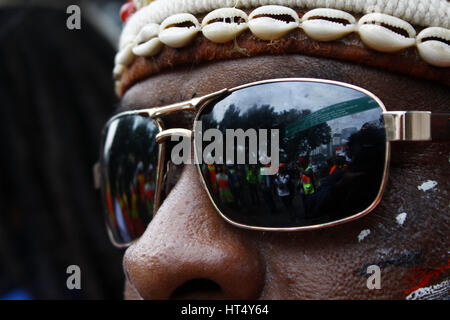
point(129, 168)
point(326, 144)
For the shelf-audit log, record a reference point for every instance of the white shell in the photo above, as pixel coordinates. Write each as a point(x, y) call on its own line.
point(147, 41)
point(224, 31)
point(148, 32)
point(326, 30)
point(117, 87)
point(118, 71)
point(177, 37)
point(435, 52)
point(268, 28)
point(125, 56)
point(149, 48)
point(383, 39)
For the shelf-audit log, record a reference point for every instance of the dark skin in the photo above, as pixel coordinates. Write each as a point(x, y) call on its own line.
point(188, 239)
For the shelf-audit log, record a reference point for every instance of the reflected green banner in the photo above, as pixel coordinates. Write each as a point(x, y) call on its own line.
point(334, 111)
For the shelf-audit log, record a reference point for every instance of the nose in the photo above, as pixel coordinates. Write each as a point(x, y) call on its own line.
point(189, 252)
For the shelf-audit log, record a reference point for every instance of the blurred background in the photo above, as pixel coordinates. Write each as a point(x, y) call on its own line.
point(56, 93)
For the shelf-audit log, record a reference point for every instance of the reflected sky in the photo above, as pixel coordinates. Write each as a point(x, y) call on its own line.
point(313, 96)
point(285, 95)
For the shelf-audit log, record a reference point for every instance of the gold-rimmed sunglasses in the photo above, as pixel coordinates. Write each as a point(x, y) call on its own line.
point(331, 145)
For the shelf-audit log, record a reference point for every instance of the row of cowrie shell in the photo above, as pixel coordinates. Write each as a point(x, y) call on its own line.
point(273, 22)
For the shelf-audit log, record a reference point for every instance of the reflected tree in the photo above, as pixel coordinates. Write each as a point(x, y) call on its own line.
point(266, 117)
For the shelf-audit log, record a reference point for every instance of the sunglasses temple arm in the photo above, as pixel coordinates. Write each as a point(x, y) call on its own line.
point(159, 177)
point(440, 126)
point(416, 126)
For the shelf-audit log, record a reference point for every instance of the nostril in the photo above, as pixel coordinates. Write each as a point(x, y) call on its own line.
point(197, 289)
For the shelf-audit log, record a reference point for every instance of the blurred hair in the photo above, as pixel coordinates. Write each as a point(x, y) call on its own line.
point(56, 93)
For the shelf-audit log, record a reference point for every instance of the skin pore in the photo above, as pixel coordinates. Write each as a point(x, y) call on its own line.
point(188, 239)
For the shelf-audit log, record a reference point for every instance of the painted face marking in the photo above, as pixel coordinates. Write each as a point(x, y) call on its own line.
point(438, 291)
point(406, 259)
point(428, 185)
point(401, 218)
point(364, 233)
point(420, 277)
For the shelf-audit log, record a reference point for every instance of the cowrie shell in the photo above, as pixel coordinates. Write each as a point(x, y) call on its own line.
point(373, 28)
point(272, 22)
point(149, 48)
point(118, 71)
point(125, 56)
point(148, 43)
point(327, 24)
point(117, 87)
point(178, 30)
point(148, 32)
point(433, 46)
point(225, 24)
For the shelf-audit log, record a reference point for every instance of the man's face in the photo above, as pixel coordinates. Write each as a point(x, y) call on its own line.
point(189, 251)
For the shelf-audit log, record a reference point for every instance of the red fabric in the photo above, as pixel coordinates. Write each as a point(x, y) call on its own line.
point(127, 10)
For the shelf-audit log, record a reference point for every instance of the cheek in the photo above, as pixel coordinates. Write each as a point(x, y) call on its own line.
point(408, 235)
point(418, 186)
point(316, 265)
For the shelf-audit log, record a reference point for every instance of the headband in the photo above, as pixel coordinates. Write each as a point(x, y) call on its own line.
point(383, 25)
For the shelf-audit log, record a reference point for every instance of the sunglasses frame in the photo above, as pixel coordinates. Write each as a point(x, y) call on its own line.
point(399, 125)
point(317, 226)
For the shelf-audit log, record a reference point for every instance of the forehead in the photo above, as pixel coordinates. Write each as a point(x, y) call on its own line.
point(398, 92)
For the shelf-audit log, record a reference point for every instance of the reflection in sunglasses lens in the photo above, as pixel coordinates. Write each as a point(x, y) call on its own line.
point(129, 162)
point(332, 149)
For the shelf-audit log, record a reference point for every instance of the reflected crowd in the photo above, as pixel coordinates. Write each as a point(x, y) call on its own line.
point(130, 184)
point(127, 202)
point(306, 191)
point(331, 152)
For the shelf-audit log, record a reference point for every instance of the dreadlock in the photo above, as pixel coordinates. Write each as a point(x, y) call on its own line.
point(55, 94)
